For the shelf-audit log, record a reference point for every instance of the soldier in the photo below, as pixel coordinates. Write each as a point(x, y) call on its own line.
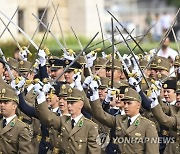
point(171, 121)
point(78, 134)
point(68, 75)
point(162, 66)
point(169, 88)
point(130, 126)
point(14, 133)
point(100, 67)
point(117, 70)
point(103, 88)
point(14, 63)
point(56, 67)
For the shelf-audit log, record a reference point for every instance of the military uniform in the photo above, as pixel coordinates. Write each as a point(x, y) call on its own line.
point(171, 121)
point(81, 139)
point(14, 136)
point(141, 128)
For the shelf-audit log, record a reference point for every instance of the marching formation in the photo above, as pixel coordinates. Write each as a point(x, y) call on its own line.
point(89, 104)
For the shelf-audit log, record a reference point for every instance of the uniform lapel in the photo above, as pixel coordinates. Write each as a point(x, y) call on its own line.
point(134, 125)
point(124, 122)
point(67, 124)
point(77, 126)
point(9, 126)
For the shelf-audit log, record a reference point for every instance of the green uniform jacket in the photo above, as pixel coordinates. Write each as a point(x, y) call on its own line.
point(172, 122)
point(79, 140)
point(15, 138)
point(125, 137)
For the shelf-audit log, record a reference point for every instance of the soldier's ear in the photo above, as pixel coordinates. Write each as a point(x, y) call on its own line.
point(81, 104)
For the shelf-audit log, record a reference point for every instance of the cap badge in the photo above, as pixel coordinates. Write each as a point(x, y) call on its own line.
point(165, 86)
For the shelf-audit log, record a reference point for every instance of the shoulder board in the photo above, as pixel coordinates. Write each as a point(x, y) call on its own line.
point(147, 120)
point(22, 122)
point(90, 120)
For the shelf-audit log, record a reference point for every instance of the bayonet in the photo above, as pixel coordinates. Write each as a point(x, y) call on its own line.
point(133, 57)
point(37, 28)
point(127, 32)
point(58, 42)
point(100, 27)
point(60, 27)
point(51, 22)
point(9, 22)
point(20, 29)
point(175, 38)
point(56, 79)
point(162, 40)
point(84, 55)
point(113, 54)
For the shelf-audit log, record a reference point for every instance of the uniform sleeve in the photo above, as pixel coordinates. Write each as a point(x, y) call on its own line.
point(25, 108)
point(146, 103)
point(93, 147)
point(152, 144)
point(46, 116)
point(25, 146)
point(162, 118)
point(100, 115)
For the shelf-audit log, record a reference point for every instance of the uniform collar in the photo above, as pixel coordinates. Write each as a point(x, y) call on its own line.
point(9, 119)
point(55, 109)
point(77, 118)
point(173, 102)
point(134, 118)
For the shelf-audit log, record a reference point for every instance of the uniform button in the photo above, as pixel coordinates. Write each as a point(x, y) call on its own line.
point(177, 147)
point(178, 133)
point(68, 147)
point(69, 140)
point(124, 144)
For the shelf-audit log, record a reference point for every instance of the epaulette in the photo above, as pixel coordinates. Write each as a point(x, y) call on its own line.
point(90, 120)
point(23, 122)
point(147, 120)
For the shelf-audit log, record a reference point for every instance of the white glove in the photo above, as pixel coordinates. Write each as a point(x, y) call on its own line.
point(133, 82)
point(41, 97)
point(127, 60)
point(94, 89)
point(17, 84)
point(90, 59)
point(104, 55)
point(69, 54)
point(156, 87)
point(110, 95)
point(42, 57)
point(47, 87)
point(38, 88)
point(135, 65)
point(87, 81)
point(154, 99)
point(24, 53)
point(77, 81)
